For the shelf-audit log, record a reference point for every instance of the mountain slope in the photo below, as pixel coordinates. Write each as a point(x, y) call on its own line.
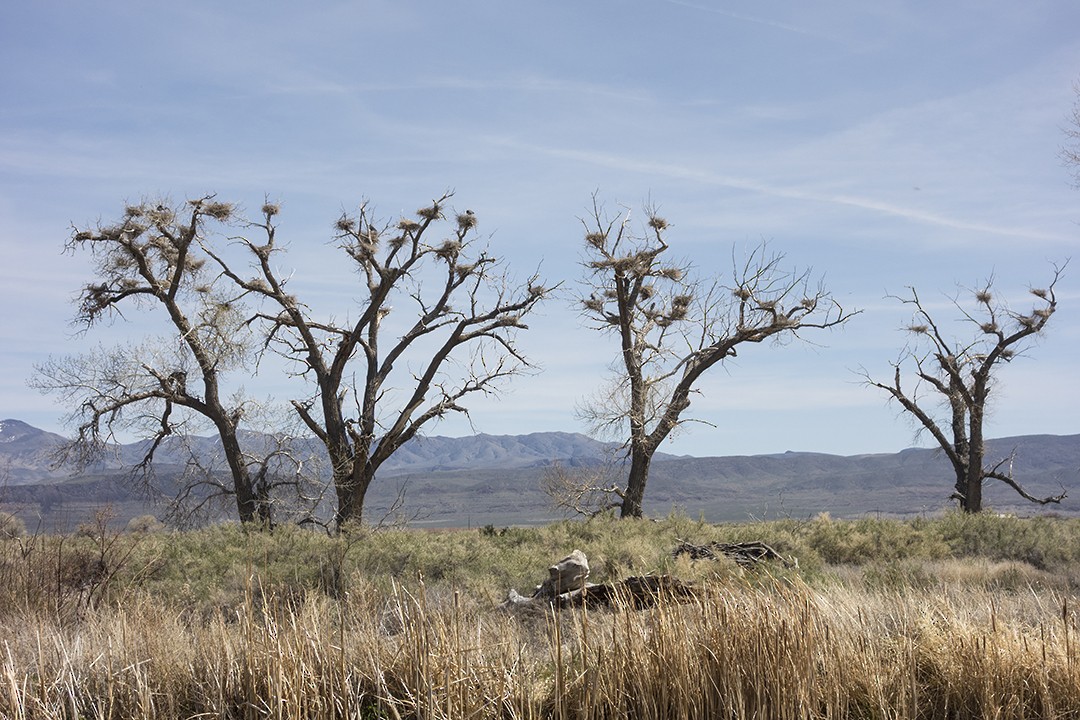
point(440, 454)
point(496, 479)
point(30, 450)
point(27, 453)
point(916, 480)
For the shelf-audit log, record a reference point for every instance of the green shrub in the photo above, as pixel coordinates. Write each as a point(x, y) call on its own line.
point(144, 524)
point(220, 568)
point(1043, 542)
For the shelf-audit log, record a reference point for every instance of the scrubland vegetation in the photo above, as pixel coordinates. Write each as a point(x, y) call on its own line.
point(963, 616)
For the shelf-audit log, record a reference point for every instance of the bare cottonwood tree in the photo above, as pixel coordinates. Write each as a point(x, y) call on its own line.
point(376, 384)
point(672, 329)
point(958, 376)
point(154, 259)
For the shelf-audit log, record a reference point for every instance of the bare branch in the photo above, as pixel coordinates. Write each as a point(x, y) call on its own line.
point(995, 473)
point(587, 492)
point(1070, 151)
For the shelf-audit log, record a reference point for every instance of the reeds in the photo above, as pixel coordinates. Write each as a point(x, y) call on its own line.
point(770, 651)
point(790, 652)
point(293, 626)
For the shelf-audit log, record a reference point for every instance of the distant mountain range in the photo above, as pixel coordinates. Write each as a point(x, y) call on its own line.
point(496, 479)
point(28, 454)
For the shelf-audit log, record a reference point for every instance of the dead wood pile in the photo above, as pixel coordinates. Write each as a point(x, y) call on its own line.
point(746, 554)
point(567, 587)
point(567, 583)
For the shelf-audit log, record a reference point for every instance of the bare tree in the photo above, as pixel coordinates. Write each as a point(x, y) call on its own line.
point(155, 259)
point(958, 376)
point(376, 385)
point(672, 329)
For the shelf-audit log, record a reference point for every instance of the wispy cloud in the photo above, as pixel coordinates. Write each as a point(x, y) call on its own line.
point(521, 83)
point(787, 27)
point(752, 185)
point(744, 120)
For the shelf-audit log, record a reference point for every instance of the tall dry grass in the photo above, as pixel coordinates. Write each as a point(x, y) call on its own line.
point(950, 618)
point(791, 652)
point(766, 651)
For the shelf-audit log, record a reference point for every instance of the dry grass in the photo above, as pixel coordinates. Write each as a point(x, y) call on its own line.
point(945, 637)
point(779, 651)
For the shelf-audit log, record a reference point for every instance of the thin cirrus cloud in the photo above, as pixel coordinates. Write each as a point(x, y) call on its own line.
point(685, 172)
point(757, 20)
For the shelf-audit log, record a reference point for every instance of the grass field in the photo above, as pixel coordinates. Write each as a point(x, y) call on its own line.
point(959, 616)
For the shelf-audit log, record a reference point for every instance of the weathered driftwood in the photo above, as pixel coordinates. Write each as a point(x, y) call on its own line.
point(566, 587)
point(745, 554)
point(565, 576)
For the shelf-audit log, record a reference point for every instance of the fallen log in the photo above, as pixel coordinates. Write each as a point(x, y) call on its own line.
point(636, 593)
point(566, 587)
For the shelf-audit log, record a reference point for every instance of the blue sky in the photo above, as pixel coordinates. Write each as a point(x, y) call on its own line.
point(884, 144)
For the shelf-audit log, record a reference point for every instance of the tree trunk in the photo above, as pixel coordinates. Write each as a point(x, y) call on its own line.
point(351, 491)
point(247, 505)
point(973, 490)
point(972, 501)
point(640, 460)
point(961, 483)
point(264, 508)
point(344, 466)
